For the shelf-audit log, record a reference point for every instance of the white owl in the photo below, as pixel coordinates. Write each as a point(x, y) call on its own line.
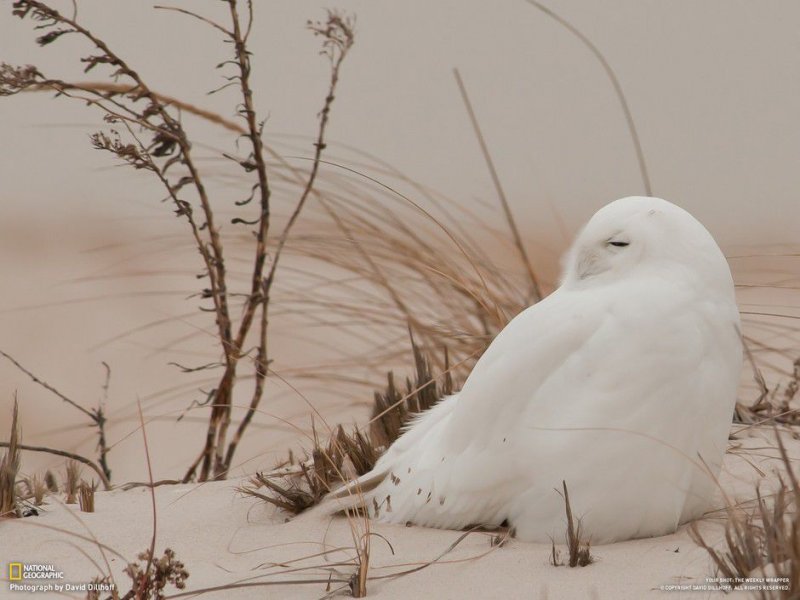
point(622, 383)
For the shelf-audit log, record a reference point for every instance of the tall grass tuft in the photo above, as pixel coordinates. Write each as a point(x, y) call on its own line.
point(86, 497)
point(72, 480)
point(9, 469)
point(50, 481)
point(298, 484)
point(36, 489)
point(578, 550)
point(393, 408)
point(765, 541)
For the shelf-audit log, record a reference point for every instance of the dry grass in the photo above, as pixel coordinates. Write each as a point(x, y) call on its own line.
point(392, 408)
point(9, 469)
point(772, 405)
point(72, 481)
point(36, 489)
point(367, 237)
point(298, 484)
point(50, 481)
point(765, 541)
point(578, 550)
point(86, 497)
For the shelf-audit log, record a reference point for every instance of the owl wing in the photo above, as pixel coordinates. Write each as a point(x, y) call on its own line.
point(438, 472)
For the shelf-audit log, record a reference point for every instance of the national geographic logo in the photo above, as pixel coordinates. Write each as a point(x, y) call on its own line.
point(42, 578)
point(18, 571)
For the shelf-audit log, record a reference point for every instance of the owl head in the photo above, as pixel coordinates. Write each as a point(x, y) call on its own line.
point(644, 235)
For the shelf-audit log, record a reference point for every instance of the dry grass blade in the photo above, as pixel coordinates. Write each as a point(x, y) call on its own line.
point(773, 405)
point(292, 497)
point(86, 497)
point(298, 485)
point(764, 542)
point(536, 291)
point(36, 489)
point(393, 408)
point(612, 77)
point(9, 469)
point(72, 480)
point(579, 551)
point(358, 581)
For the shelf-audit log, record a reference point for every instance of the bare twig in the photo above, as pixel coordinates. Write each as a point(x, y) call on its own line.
point(47, 386)
point(339, 36)
point(65, 454)
point(96, 415)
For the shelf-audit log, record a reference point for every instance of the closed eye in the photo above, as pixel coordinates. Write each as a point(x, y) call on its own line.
point(620, 244)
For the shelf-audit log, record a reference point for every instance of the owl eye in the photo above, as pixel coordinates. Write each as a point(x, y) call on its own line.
point(620, 244)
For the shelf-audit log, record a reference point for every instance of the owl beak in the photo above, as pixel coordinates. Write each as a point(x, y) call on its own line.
point(589, 264)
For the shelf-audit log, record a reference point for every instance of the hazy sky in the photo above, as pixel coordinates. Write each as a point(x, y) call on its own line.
point(712, 84)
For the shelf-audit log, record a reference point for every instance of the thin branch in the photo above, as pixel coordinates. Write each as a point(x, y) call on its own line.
point(101, 87)
point(339, 39)
point(97, 416)
point(212, 455)
point(104, 480)
point(319, 145)
point(49, 387)
point(205, 20)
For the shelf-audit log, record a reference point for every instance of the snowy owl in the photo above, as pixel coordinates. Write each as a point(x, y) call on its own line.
point(621, 383)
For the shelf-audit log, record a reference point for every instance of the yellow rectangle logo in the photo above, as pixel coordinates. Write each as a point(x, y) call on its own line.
point(15, 571)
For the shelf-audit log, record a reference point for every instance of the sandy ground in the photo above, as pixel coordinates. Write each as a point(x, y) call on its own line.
point(224, 538)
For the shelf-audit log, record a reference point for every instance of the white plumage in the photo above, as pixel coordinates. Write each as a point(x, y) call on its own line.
point(622, 383)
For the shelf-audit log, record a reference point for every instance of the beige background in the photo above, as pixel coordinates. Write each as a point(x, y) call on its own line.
point(713, 87)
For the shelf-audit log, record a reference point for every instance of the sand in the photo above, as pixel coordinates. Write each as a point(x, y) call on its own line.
point(224, 538)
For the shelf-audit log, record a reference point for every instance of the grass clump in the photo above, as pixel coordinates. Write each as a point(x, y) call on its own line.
point(72, 480)
point(763, 542)
point(296, 485)
point(393, 408)
point(578, 551)
point(50, 481)
point(772, 405)
point(86, 497)
point(36, 489)
point(9, 469)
